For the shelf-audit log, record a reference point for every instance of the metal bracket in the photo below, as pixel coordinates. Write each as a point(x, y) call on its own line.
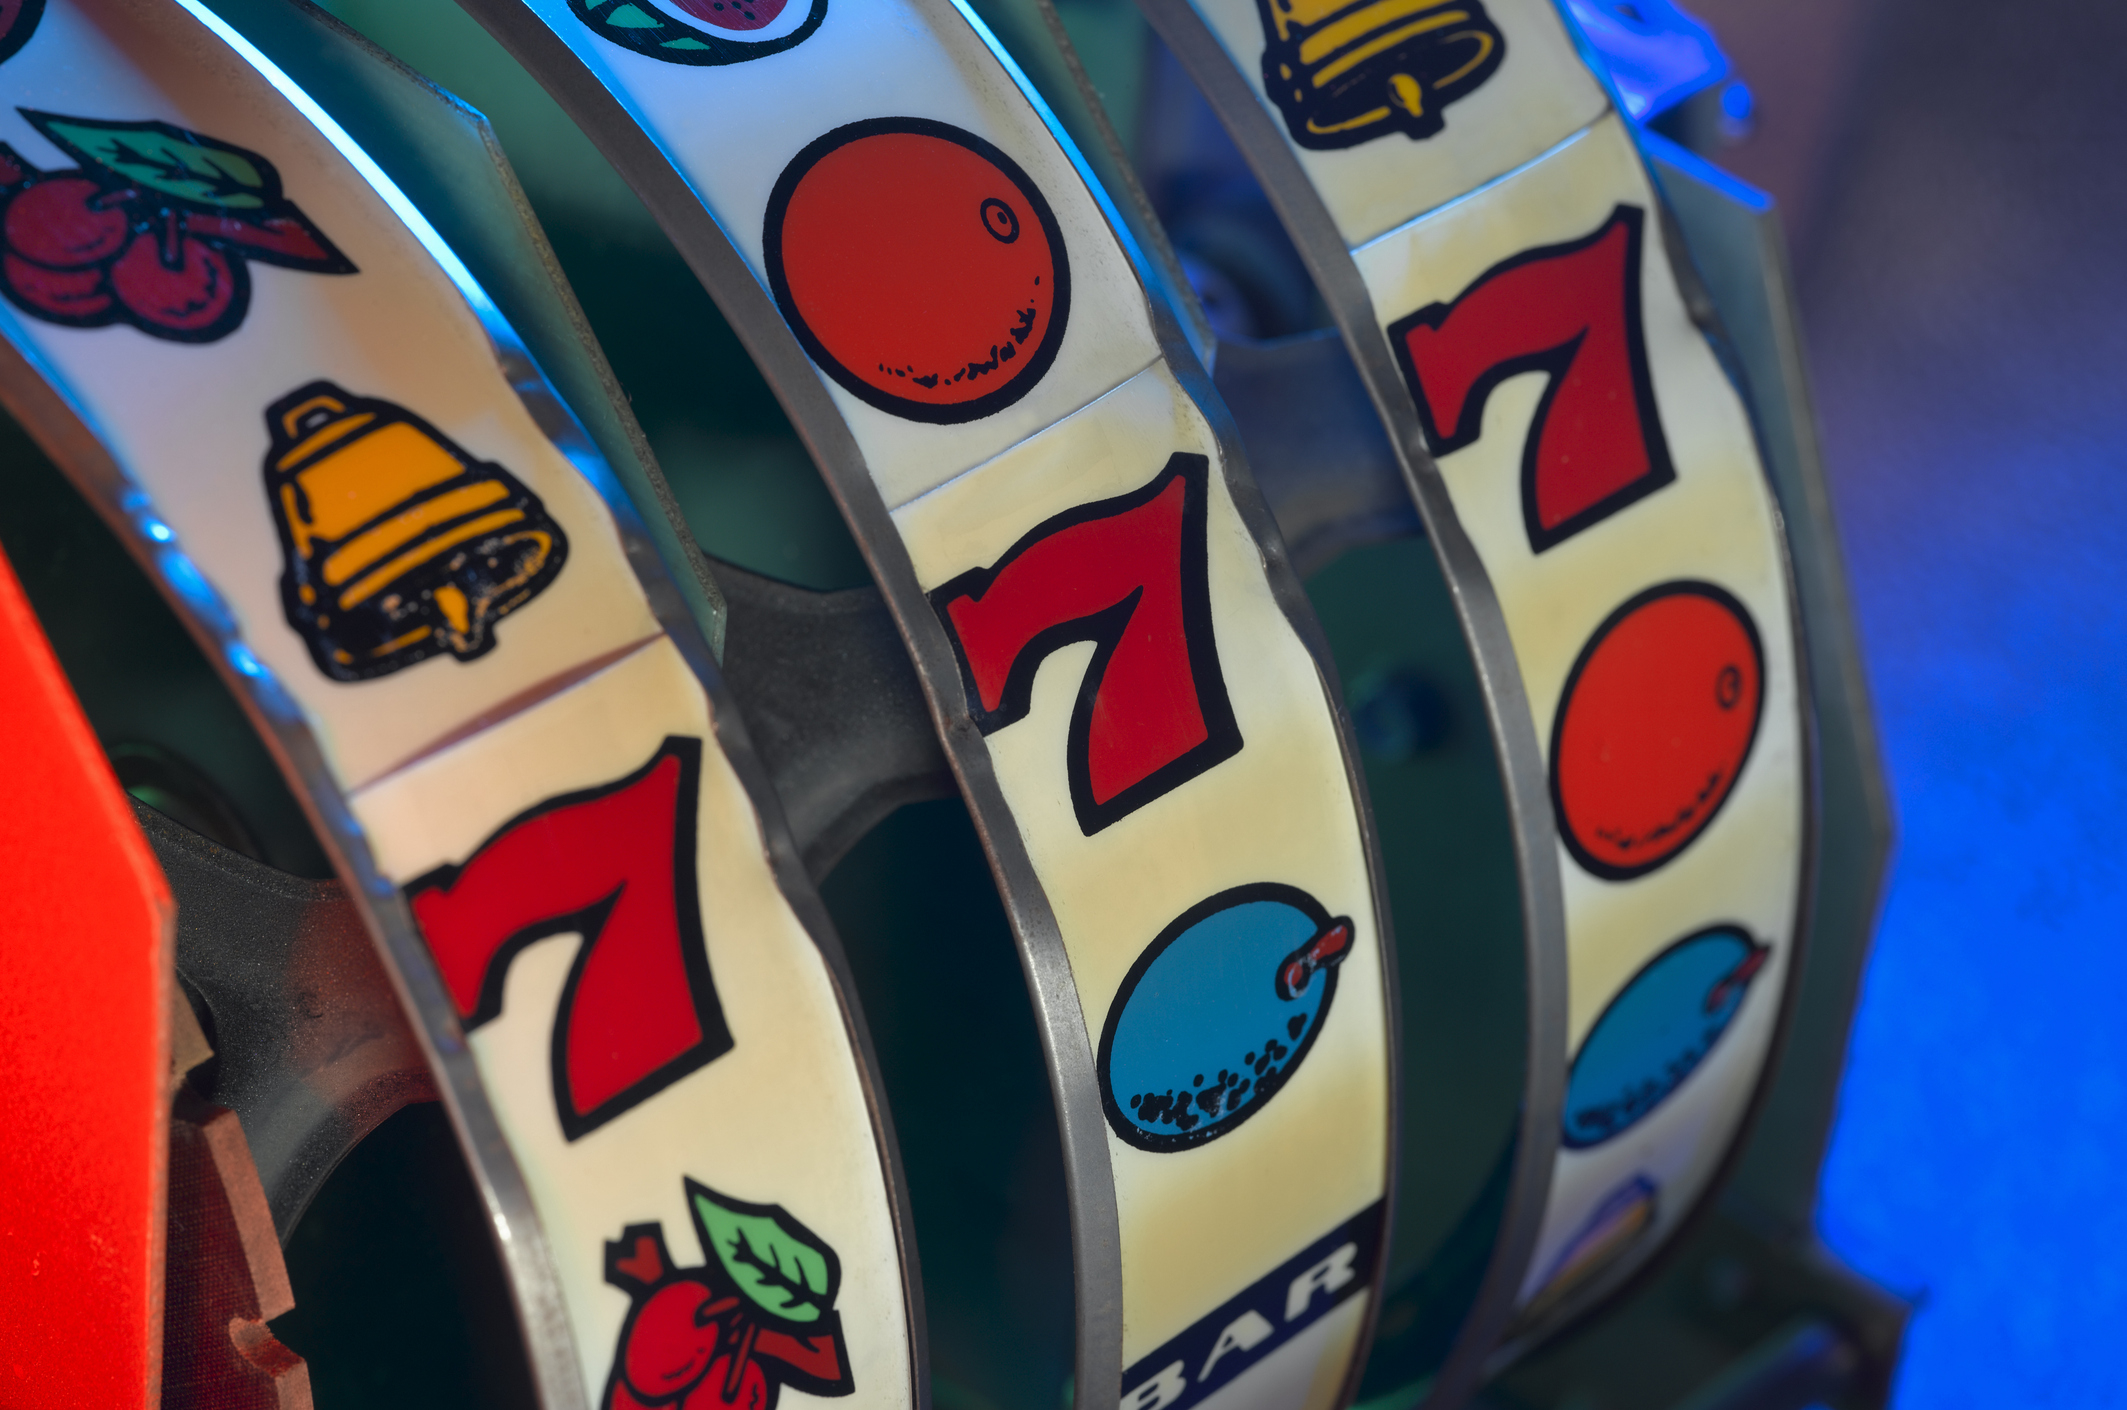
point(312, 1050)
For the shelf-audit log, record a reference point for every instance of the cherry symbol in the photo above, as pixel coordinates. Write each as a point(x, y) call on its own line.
point(65, 222)
point(190, 295)
point(748, 1390)
point(672, 1339)
point(68, 295)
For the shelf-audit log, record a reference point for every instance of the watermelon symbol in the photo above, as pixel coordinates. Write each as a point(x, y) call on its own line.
point(703, 32)
point(919, 266)
point(1218, 1013)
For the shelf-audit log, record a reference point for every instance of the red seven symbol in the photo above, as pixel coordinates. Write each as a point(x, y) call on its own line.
point(1572, 311)
point(615, 865)
point(1129, 574)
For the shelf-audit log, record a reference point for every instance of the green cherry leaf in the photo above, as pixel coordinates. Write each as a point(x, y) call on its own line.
point(784, 1269)
point(170, 161)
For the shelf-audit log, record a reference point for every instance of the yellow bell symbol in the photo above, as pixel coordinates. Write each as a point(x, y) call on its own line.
point(1347, 71)
point(399, 545)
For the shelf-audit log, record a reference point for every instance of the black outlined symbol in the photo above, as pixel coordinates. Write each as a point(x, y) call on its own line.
point(18, 21)
point(920, 268)
point(703, 32)
point(155, 228)
point(757, 1315)
point(1345, 72)
point(1130, 574)
point(1218, 1013)
point(615, 865)
point(398, 544)
point(1572, 311)
point(1656, 721)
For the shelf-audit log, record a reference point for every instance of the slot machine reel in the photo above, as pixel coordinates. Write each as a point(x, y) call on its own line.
point(1367, 224)
point(578, 775)
point(843, 726)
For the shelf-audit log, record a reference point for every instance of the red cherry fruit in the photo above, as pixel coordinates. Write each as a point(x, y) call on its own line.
point(751, 1393)
point(1657, 719)
point(70, 295)
point(58, 222)
point(193, 297)
point(734, 14)
point(917, 268)
point(668, 1347)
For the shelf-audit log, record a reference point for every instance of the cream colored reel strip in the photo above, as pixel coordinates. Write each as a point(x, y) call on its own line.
point(298, 408)
point(1558, 409)
point(1113, 653)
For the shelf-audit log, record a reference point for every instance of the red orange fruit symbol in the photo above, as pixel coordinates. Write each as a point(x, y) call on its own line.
point(920, 268)
point(1656, 721)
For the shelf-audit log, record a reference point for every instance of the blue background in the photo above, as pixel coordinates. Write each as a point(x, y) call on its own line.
point(1965, 294)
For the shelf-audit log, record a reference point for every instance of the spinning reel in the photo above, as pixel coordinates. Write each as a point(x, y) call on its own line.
point(767, 747)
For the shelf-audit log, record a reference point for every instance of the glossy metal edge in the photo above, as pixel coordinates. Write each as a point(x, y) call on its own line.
point(1735, 234)
point(35, 395)
point(1061, 83)
point(1066, 1044)
point(1135, 228)
point(1525, 778)
point(669, 605)
point(36, 398)
point(650, 556)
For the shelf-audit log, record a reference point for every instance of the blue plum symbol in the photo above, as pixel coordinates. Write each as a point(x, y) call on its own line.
point(1657, 1031)
point(1217, 1013)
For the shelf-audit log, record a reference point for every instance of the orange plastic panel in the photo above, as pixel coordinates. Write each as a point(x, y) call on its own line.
point(85, 975)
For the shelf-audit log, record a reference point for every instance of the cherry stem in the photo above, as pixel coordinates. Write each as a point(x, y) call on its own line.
point(713, 1310)
point(173, 235)
point(738, 1362)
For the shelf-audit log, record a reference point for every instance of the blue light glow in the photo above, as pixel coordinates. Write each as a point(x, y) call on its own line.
point(1656, 54)
point(1962, 300)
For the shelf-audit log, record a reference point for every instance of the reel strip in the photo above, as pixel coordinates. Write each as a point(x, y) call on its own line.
point(572, 769)
point(1456, 234)
point(1026, 452)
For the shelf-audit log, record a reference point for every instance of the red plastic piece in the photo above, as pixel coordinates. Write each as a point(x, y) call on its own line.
point(86, 933)
point(229, 1279)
